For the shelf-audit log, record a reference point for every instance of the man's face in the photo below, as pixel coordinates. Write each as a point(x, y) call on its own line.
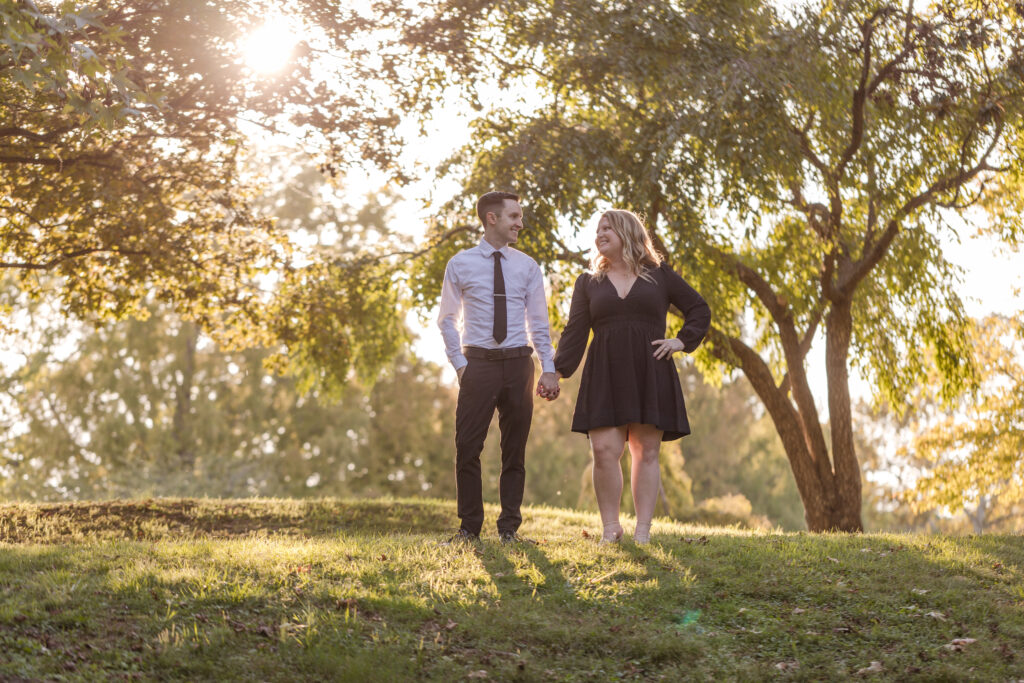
point(509, 222)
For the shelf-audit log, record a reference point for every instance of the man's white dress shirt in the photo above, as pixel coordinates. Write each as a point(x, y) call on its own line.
point(467, 304)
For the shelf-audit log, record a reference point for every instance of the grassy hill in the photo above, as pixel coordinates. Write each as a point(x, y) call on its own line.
point(361, 590)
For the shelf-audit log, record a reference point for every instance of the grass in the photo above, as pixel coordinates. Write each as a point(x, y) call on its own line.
point(361, 590)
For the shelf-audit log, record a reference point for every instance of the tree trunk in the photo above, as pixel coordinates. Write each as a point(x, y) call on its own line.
point(666, 509)
point(183, 437)
point(831, 497)
point(813, 482)
point(846, 512)
point(978, 517)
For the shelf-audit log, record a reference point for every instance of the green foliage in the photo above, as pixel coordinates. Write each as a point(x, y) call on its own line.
point(152, 406)
point(286, 590)
point(708, 117)
point(972, 453)
point(122, 138)
point(794, 164)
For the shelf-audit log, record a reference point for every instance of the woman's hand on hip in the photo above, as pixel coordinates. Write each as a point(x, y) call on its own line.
point(663, 348)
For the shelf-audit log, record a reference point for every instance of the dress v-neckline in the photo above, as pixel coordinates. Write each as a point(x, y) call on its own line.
point(616, 289)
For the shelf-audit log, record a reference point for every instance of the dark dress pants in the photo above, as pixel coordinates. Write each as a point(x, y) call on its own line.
point(488, 384)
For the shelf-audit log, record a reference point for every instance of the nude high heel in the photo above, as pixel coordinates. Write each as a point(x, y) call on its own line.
point(612, 532)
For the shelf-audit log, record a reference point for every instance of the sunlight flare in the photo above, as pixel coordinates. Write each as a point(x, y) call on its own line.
point(268, 48)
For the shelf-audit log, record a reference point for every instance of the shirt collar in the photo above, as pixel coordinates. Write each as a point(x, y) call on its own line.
point(488, 251)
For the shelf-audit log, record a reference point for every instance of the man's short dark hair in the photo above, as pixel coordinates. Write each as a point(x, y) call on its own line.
point(492, 202)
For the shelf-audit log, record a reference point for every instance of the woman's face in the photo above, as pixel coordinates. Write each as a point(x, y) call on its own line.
point(608, 243)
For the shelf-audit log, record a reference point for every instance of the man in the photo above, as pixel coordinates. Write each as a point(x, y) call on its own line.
point(499, 293)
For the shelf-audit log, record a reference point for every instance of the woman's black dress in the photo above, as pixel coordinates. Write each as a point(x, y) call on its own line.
point(622, 380)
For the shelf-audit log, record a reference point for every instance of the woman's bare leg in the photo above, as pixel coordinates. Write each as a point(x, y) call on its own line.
point(607, 444)
point(644, 446)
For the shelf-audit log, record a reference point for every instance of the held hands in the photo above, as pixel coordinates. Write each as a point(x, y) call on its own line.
point(547, 387)
point(666, 347)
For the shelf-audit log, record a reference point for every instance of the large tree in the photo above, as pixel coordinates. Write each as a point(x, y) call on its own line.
point(799, 167)
point(122, 129)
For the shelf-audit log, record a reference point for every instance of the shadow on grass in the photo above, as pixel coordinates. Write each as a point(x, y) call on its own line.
point(155, 519)
point(381, 601)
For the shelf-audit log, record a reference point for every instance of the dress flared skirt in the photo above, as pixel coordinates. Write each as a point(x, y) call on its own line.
point(622, 383)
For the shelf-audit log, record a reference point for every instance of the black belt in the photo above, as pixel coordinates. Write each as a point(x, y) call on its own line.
point(496, 354)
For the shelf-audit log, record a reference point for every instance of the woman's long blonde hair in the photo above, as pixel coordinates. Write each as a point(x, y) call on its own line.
point(637, 248)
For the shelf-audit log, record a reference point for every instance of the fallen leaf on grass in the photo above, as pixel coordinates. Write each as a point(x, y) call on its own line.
point(787, 666)
point(832, 559)
point(918, 591)
point(477, 674)
point(450, 625)
point(265, 631)
point(958, 644)
point(874, 668)
point(383, 558)
point(586, 534)
point(302, 569)
point(798, 610)
point(936, 615)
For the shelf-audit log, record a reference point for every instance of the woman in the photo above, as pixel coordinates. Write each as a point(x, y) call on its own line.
point(629, 392)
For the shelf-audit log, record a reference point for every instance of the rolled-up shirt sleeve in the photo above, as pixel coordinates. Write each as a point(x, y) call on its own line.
point(695, 310)
point(574, 338)
point(537, 319)
point(448, 317)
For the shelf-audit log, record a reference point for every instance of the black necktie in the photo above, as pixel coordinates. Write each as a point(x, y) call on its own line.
point(500, 314)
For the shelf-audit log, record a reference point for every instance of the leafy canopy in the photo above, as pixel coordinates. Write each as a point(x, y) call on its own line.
point(123, 131)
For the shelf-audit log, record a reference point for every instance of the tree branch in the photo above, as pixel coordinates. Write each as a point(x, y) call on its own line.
point(787, 421)
point(871, 258)
point(78, 253)
point(17, 131)
point(90, 159)
point(859, 97)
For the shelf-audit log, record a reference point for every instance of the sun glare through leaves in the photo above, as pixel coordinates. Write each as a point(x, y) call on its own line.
point(268, 48)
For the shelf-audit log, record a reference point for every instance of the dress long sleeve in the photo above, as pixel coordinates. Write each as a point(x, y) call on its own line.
point(696, 312)
point(577, 330)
